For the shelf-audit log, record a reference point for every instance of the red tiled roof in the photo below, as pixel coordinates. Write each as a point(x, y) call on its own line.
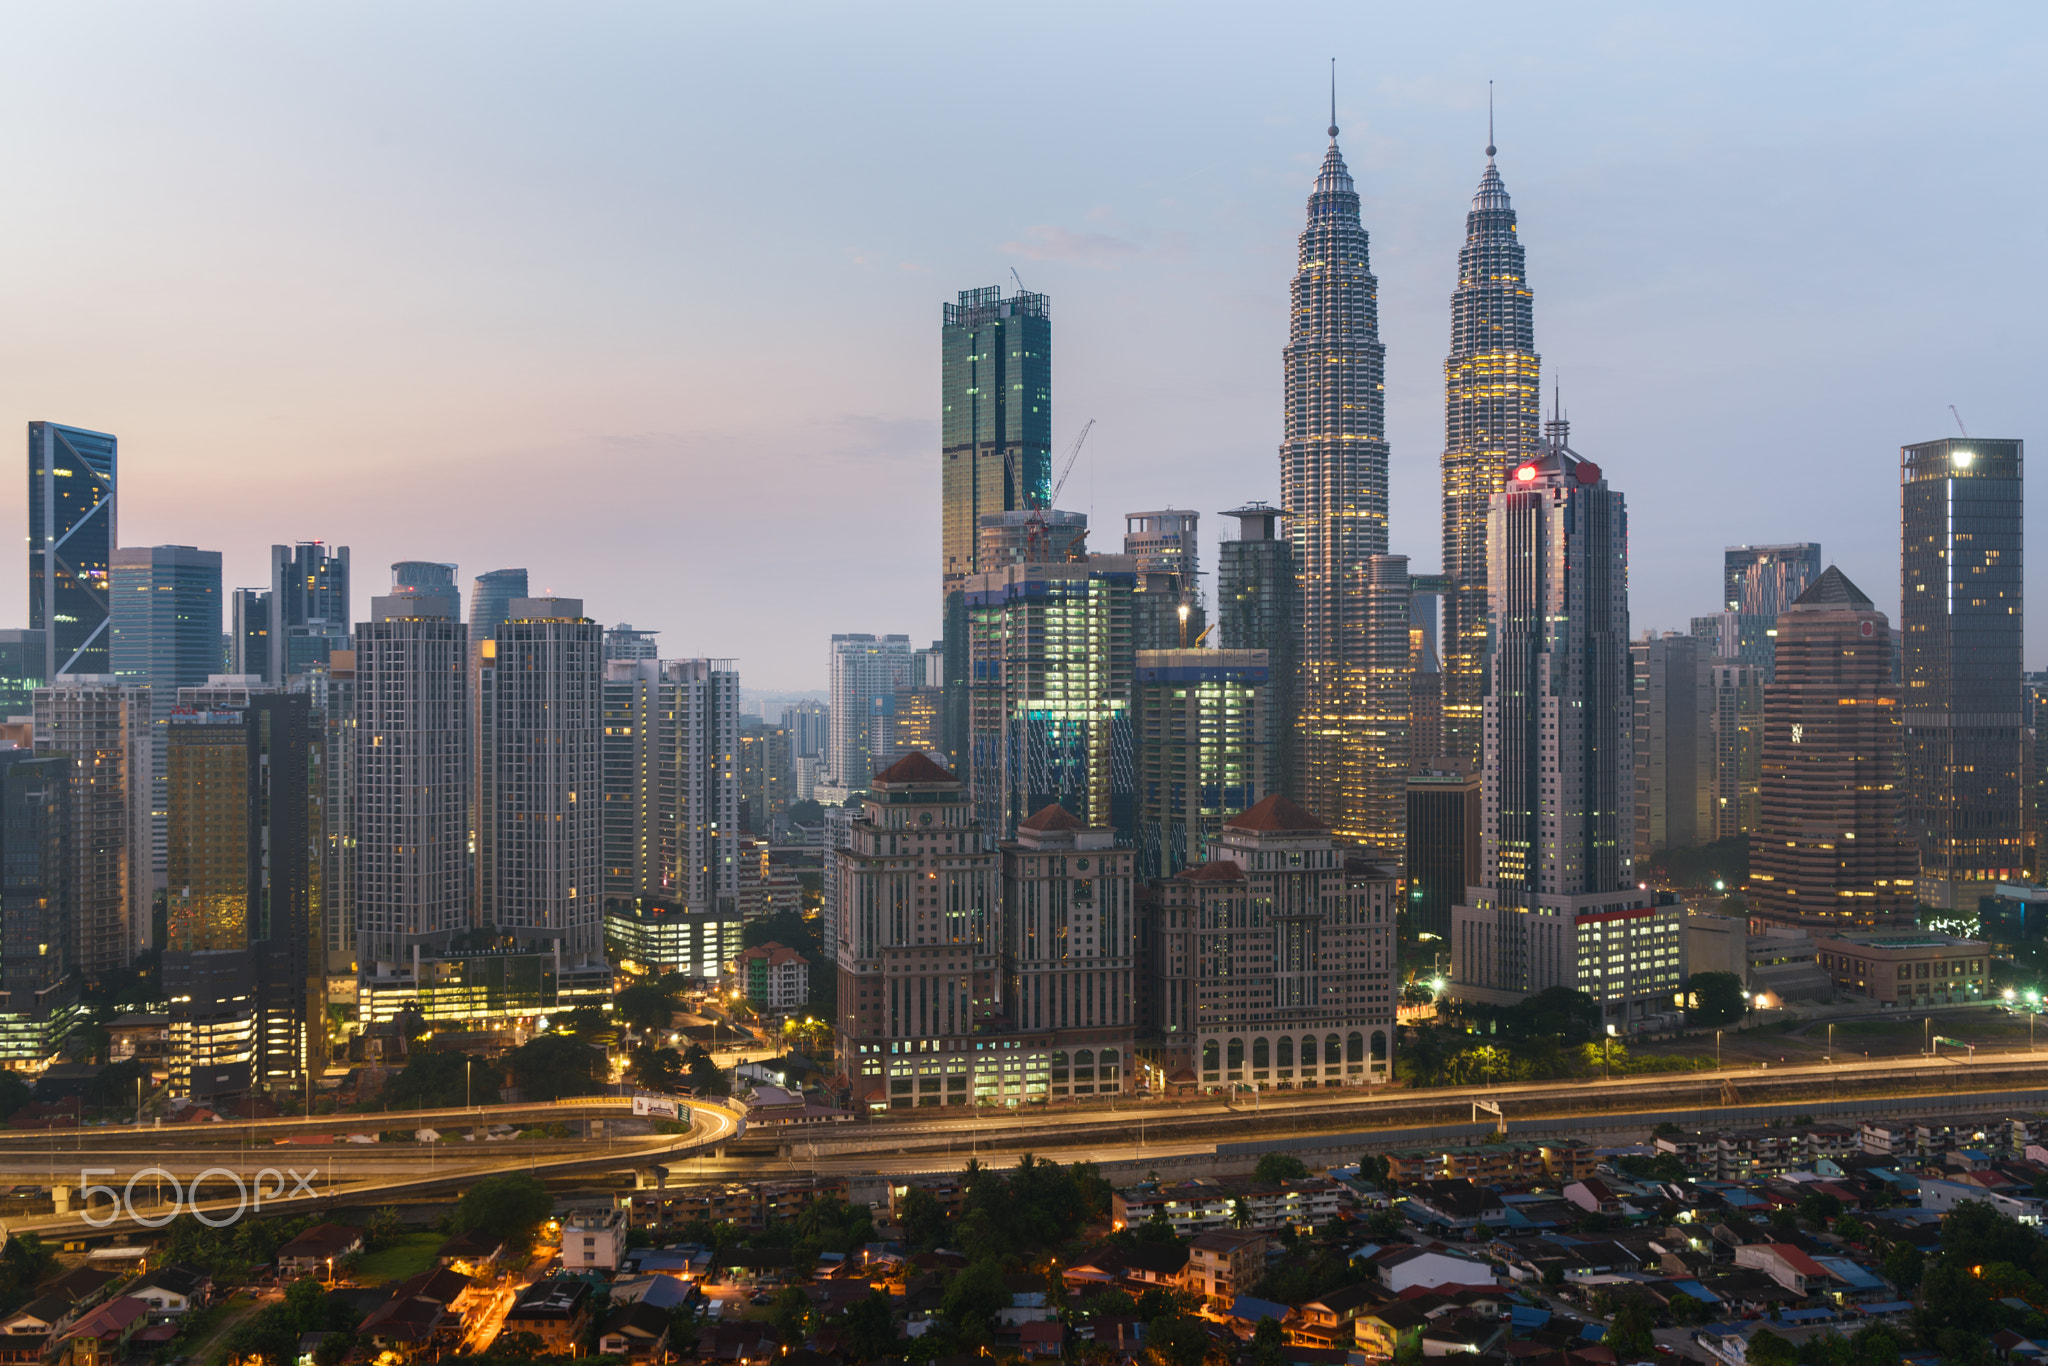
point(1798, 1260)
point(1052, 817)
point(914, 767)
point(1222, 870)
point(1275, 813)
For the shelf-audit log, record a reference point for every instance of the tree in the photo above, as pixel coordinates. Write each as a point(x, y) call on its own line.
point(1904, 1265)
point(1629, 1334)
point(14, 1093)
point(1179, 1340)
point(1385, 1223)
point(384, 1225)
point(553, 1065)
point(1818, 1209)
point(865, 1332)
point(657, 1069)
point(1715, 998)
point(806, 812)
point(511, 1208)
point(791, 1314)
point(923, 1218)
point(1274, 1167)
point(1850, 1229)
point(436, 1078)
point(646, 1007)
point(1768, 1349)
point(1375, 1167)
point(1240, 1213)
point(973, 1297)
point(1269, 1343)
point(706, 1077)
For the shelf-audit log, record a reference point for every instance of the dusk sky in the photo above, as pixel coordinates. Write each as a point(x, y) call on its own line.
point(647, 298)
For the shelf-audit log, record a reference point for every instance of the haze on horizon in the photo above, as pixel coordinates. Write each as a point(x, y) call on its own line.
point(646, 297)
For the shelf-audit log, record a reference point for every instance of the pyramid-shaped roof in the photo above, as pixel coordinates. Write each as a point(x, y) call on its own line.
point(914, 767)
point(1051, 817)
point(1832, 589)
point(1275, 813)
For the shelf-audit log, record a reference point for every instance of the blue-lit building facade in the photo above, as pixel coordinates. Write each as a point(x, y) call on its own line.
point(72, 532)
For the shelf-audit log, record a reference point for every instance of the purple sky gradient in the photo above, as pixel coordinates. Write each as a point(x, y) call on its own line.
point(646, 298)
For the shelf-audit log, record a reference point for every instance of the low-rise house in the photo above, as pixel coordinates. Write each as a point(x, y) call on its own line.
point(754, 1265)
point(1150, 1264)
point(1455, 1204)
point(1388, 1330)
point(472, 1254)
point(1222, 1266)
point(637, 1331)
point(1786, 1265)
point(171, 1292)
point(1027, 1302)
point(101, 1337)
point(1595, 1196)
point(593, 1239)
point(40, 1317)
point(1402, 1269)
point(556, 1310)
point(317, 1249)
point(1042, 1340)
point(83, 1286)
point(1331, 1320)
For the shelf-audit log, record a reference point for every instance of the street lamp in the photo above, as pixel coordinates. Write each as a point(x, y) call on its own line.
point(1717, 1050)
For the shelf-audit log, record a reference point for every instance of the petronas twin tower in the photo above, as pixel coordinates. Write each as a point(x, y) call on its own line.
point(1355, 643)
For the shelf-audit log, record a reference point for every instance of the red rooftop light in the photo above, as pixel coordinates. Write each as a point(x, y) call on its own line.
point(1526, 473)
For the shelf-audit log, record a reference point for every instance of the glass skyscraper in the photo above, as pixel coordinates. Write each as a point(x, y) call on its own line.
point(21, 670)
point(995, 412)
point(1960, 591)
point(309, 615)
point(72, 532)
point(165, 636)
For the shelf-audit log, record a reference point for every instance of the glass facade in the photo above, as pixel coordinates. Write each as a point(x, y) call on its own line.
point(1255, 600)
point(309, 612)
point(165, 629)
point(995, 414)
point(21, 670)
point(72, 532)
point(1961, 610)
point(1204, 732)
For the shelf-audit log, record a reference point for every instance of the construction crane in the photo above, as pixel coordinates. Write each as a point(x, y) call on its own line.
point(1959, 421)
point(1035, 527)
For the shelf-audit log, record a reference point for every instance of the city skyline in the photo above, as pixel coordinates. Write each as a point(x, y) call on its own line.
point(1657, 256)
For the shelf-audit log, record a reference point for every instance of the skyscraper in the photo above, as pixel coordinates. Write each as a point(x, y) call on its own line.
point(249, 632)
point(309, 600)
point(995, 412)
point(1168, 540)
point(490, 599)
point(1040, 534)
point(623, 642)
point(35, 896)
point(21, 670)
point(412, 767)
point(429, 578)
point(1825, 854)
point(1050, 704)
point(1765, 580)
point(1736, 733)
point(1255, 605)
point(105, 728)
point(1491, 408)
point(72, 531)
point(672, 782)
point(1673, 744)
point(1961, 607)
point(810, 728)
point(543, 754)
point(1386, 694)
point(1443, 849)
point(865, 672)
point(1333, 482)
point(1557, 903)
point(165, 635)
point(332, 692)
point(1205, 744)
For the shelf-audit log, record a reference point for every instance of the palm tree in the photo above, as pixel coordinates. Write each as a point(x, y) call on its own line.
point(1240, 1213)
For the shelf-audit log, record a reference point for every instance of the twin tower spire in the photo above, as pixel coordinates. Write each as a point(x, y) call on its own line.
point(1354, 633)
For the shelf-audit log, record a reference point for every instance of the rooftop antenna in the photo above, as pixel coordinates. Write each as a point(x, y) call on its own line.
point(1333, 98)
point(1489, 120)
point(1959, 421)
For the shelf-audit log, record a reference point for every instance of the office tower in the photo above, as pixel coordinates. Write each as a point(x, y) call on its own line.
point(35, 896)
point(1764, 580)
point(1735, 694)
point(1298, 992)
point(838, 834)
point(765, 772)
point(995, 408)
point(332, 694)
point(244, 953)
point(1255, 602)
point(165, 635)
point(248, 632)
point(810, 728)
point(1557, 902)
point(490, 601)
point(223, 692)
point(1961, 607)
point(1205, 746)
point(73, 527)
point(1381, 786)
point(915, 722)
point(406, 711)
point(623, 642)
point(105, 728)
point(1166, 541)
point(309, 600)
point(542, 734)
point(21, 670)
point(1052, 656)
point(1040, 534)
point(1333, 483)
point(1492, 399)
point(672, 783)
point(1673, 744)
point(1443, 848)
point(1826, 854)
point(429, 578)
point(918, 949)
point(1425, 696)
point(865, 673)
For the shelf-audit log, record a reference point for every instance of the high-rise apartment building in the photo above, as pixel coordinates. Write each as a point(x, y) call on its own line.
point(1557, 903)
point(1168, 541)
point(672, 783)
point(1052, 660)
point(1961, 607)
point(490, 600)
point(1205, 744)
point(165, 635)
point(429, 578)
point(542, 735)
point(1386, 698)
point(1275, 962)
point(332, 693)
point(1443, 848)
point(865, 673)
point(838, 832)
point(1039, 534)
point(1166, 613)
point(623, 642)
point(1825, 854)
point(1333, 483)
point(410, 733)
point(73, 527)
point(918, 948)
point(309, 614)
point(106, 729)
point(1492, 403)
point(1256, 596)
point(810, 728)
point(1735, 702)
point(1673, 744)
point(765, 777)
point(21, 670)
